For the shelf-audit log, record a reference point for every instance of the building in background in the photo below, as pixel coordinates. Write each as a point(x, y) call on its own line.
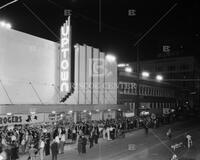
point(182, 72)
point(154, 97)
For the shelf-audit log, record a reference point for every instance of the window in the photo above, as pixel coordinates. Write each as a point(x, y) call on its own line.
point(184, 67)
point(171, 68)
point(141, 90)
point(159, 69)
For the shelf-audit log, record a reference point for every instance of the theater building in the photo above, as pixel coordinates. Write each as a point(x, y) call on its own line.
point(41, 77)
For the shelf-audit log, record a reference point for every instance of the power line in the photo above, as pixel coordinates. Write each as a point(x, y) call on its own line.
point(154, 25)
point(99, 23)
point(8, 4)
point(40, 20)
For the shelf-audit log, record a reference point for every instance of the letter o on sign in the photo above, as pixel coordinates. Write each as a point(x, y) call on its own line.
point(64, 64)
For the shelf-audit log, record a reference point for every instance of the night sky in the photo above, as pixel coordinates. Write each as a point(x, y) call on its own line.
point(105, 24)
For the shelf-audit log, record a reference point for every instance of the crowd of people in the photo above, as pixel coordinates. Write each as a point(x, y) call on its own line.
point(41, 140)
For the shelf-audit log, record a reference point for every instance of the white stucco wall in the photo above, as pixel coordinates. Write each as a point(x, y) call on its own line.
point(25, 58)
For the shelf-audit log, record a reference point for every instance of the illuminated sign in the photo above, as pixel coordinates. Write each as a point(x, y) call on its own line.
point(65, 58)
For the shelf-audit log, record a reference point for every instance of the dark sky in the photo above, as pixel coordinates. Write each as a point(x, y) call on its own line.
point(117, 31)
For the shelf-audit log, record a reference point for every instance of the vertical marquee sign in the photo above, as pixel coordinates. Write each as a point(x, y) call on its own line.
point(65, 58)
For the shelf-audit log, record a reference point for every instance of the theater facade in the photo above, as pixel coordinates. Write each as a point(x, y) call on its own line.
point(38, 76)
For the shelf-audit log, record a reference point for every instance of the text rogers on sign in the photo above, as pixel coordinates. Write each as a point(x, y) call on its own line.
point(65, 58)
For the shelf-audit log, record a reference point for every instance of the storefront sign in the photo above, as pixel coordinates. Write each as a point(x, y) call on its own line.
point(21, 119)
point(7, 120)
point(65, 58)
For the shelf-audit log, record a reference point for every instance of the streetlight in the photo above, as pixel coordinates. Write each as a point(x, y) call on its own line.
point(159, 77)
point(110, 58)
point(5, 25)
point(128, 69)
point(145, 74)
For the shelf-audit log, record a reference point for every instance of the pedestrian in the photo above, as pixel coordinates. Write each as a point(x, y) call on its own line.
point(108, 132)
point(146, 128)
point(62, 143)
point(41, 148)
point(32, 152)
point(54, 150)
point(80, 142)
point(169, 133)
point(91, 139)
point(84, 143)
point(47, 144)
point(14, 151)
point(189, 140)
point(104, 132)
point(23, 145)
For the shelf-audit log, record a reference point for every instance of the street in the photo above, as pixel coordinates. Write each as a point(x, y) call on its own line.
point(154, 146)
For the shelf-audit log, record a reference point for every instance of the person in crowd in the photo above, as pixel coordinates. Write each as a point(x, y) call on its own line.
point(3, 155)
point(54, 150)
point(104, 132)
point(23, 145)
point(146, 127)
point(14, 151)
point(108, 132)
point(41, 148)
point(91, 139)
point(84, 143)
point(62, 143)
point(47, 143)
point(32, 152)
point(189, 140)
point(80, 143)
point(73, 135)
point(169, 133)
point(96, 135)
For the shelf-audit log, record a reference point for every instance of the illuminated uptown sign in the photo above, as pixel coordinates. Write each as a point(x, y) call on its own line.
point(65, 58)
